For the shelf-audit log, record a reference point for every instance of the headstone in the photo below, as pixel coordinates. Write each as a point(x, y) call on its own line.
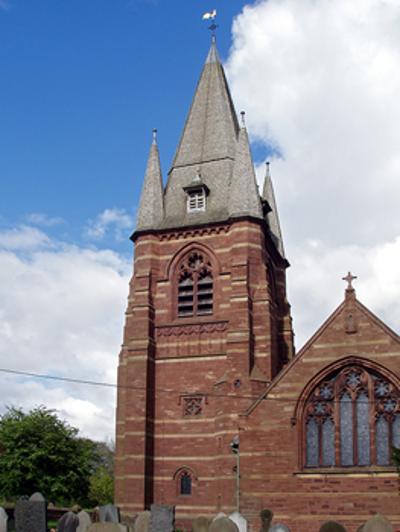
point(223, 524)
point(142, 523)
point(279, 527)
point(266, 516)
point(109, 514)
point(220, 514)
point(30, 514)
point(162, 518)
point(107, 527)
point(332, 526)
point(200, 524)
point(69, 522)
point(377, 523)
point(84, 521)
point(239, 521)
point(129, 522)
point(3, 520)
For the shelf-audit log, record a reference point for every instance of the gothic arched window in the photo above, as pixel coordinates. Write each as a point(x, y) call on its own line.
point(351, 418)
point(184, 478)
point(195, 286)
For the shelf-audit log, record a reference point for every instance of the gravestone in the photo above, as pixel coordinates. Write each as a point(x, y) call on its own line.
point(109, 514)
point(279, 527)
point(200, 524)
point(162, 518)
point(377, 523)
point(239, 521)
point(84, 521)
point(332, 526)
point(107, 527)
point(30, 514)
point(142, 523)
point(69, 522)
point(223, 524)
point(3, 520)
point(266, 516)
point(220, 514)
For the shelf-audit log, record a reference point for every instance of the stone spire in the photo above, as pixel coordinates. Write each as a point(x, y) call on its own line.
point(208, 143)
point(151, 208)
point(271, 216)
point(244, 197)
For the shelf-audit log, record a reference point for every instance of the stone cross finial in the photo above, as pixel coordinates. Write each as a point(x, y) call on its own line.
point(154, 136)
point(243, 118)
point(349, 278)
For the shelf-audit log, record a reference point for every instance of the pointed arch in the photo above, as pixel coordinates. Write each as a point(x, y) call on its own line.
point(349, 415)
point(187, 248)
point(185, 480)
point(192, 273)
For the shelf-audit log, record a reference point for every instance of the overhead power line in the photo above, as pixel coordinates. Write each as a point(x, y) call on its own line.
point(71, 380)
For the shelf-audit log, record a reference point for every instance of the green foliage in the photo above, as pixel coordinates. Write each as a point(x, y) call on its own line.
point(40, 452)
point(101, 489)
point(396, 456)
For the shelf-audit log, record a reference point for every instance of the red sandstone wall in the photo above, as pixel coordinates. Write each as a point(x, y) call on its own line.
point(272, 473)
point(164, 359)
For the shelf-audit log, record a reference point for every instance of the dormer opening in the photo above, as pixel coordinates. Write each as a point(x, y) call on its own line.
point(196, 200)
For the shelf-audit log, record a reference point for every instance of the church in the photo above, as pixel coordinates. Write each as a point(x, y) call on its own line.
point(216, 411)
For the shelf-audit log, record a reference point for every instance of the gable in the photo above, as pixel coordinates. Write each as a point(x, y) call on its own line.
point(351, 330)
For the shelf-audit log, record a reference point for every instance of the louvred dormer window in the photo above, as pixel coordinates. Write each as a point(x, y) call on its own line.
point(196, 200)
point(197, 193)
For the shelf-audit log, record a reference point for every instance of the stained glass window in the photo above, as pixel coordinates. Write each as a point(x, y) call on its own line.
point(352, 418)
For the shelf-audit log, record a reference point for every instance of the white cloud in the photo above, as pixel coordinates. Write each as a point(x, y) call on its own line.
point(23, 238)
point(39, 218)
point(320, 81)
point(115, 221)
point(62, 314)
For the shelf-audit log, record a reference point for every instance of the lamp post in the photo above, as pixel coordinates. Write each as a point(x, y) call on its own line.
point(235, 449)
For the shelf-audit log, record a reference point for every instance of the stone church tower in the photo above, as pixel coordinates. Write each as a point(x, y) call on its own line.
point(208, 360)
point(208, 324)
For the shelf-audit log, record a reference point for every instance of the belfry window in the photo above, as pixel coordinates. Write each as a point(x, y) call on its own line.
point(195, 286)
point(352, 418)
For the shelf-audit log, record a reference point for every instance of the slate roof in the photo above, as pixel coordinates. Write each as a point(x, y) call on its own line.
point(272, 216)
point(216, 150)
point(244, 199)
point(151, 207)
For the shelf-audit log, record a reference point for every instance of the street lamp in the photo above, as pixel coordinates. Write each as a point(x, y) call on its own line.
point(235, 449)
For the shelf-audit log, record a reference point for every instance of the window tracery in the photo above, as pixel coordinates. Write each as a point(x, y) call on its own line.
point(195, 286)
point(352, 418)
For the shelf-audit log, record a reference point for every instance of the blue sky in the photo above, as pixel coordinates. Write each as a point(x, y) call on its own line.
point(84, 82)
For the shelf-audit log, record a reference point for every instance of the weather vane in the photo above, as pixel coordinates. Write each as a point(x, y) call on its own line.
point(211, 15)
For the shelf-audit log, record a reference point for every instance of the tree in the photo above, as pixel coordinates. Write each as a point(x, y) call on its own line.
point(101, 489)
point(396, 456)
point(40, 452)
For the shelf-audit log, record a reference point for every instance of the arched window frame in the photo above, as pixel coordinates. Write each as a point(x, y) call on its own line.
point(181, 476)
point(195, 285)
point(384, 407)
